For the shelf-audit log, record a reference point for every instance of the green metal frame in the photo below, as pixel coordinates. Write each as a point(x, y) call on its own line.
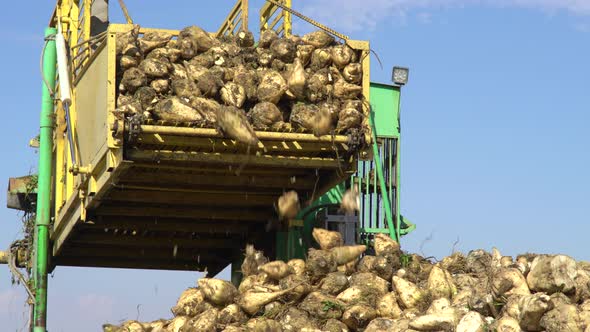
point(385, 123)
point(393, 230)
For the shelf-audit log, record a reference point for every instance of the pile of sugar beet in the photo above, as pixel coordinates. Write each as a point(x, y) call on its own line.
point(304, 84)
point(344, 288)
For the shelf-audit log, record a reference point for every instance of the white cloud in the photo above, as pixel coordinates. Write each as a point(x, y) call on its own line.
point(356, 15)
point(98, 305)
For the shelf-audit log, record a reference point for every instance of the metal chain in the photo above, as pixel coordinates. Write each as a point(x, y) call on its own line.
point(309, 20)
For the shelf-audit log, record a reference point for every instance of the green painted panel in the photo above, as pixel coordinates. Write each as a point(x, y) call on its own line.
point(385, 103)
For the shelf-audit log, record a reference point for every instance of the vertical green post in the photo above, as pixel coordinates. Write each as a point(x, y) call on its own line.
point(398, 213)
point(44, 183)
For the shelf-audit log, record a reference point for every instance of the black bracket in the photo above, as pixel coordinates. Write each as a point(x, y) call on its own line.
point(133, 128)
point(356, 140)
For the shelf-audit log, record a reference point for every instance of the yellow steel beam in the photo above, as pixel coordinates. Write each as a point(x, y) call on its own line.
point(262, 135)
point(130, 252)
point(273, 25)
point(146, 263)
point(215, 169)
point(136, 256)
point(138, 241)
point(68, 14)
point(75, 31)
point(225, 187)
point(228, 26)
point(86, 28)
point(203, 179)
point(235, 159)
point(189, 213)
point(239, 13)
point(268, 11)
point(125, 12)
point(245, 14)
point(112, 142)
point(287, 21)
point(221, 199)
point(167, 224)
point(170, 142)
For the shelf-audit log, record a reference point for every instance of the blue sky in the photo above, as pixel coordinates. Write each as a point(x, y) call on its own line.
point(496, 149)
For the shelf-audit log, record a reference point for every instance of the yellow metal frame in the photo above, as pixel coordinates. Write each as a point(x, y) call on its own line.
point(274, 18)
point(365, 49)
point(77, 192)
point(236, 20)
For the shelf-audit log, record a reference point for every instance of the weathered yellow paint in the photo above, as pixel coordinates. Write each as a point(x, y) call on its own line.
point(86, 29)
point(236, 20)
point(235, 159)
point(263, 135)
point(282, 22)
point(287, 21)
point(68, 14)
point(128, 18)
point(113, 142)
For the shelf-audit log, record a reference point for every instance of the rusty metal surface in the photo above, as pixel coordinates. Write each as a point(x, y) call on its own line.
point(22, 192)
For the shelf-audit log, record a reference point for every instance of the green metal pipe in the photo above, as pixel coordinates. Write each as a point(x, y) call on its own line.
point(44, 183)
point(393, 231)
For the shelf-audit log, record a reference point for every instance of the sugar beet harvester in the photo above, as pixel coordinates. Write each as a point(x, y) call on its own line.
point(116, 192)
